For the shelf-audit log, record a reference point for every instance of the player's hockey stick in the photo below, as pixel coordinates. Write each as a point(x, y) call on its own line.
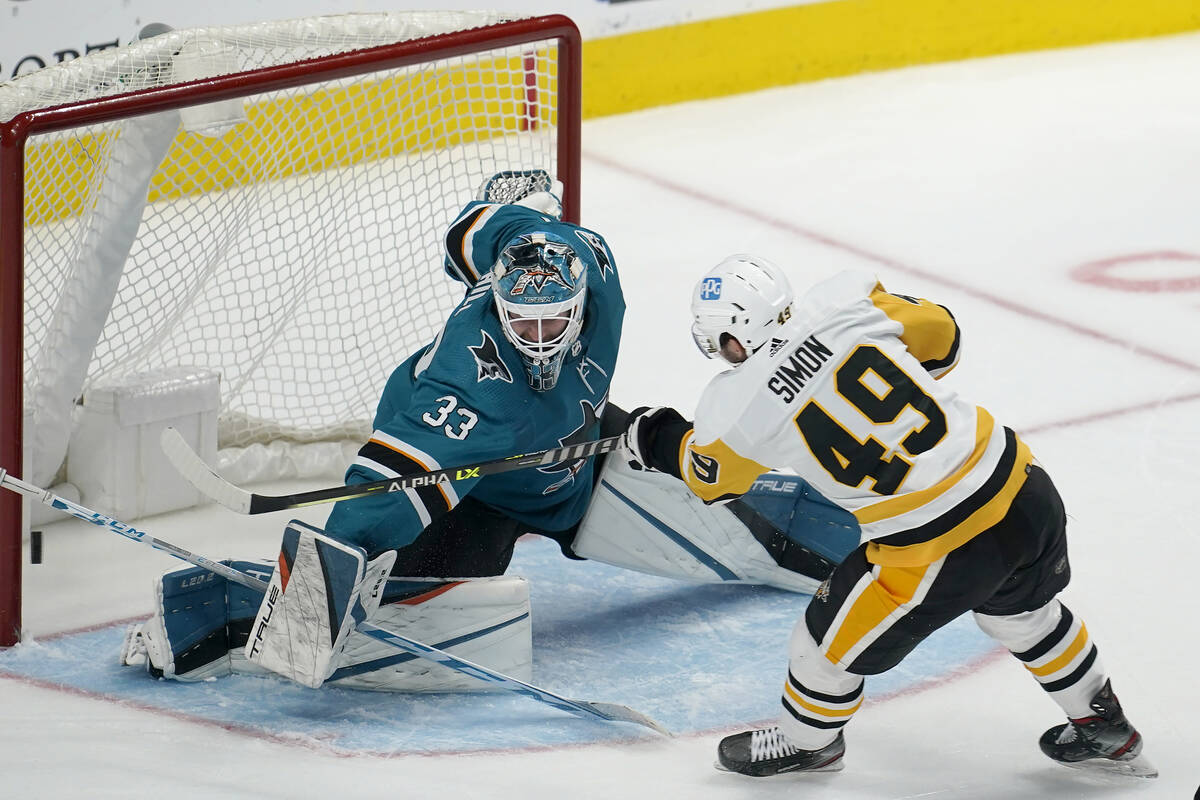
point(212, 485)
point(580, 708)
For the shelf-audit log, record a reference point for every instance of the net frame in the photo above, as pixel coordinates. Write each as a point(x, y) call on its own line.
point(15, 132)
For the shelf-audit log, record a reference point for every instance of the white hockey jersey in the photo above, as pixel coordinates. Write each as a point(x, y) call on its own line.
point(847, 395)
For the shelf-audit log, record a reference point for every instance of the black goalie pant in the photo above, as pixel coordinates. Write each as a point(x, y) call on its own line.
point(873, 616)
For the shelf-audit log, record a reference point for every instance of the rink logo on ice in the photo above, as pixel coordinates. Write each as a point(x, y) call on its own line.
point(710, 289)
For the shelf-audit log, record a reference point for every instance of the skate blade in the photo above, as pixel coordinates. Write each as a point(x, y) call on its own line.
point(833, 766)
point(1139, 767)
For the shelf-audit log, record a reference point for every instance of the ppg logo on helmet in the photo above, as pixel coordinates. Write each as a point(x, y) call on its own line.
point(710, 289)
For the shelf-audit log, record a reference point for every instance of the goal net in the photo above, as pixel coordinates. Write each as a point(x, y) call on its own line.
point(260, 202)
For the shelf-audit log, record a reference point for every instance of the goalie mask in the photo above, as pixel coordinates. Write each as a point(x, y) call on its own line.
point(744, 297)
point(540, 287)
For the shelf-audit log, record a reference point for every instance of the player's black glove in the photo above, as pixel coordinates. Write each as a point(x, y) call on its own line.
point(652, 438)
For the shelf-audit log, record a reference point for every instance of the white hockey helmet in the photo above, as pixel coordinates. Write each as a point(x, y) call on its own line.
point(744, 297)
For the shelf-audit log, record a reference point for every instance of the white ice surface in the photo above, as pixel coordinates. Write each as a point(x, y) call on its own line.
point(981, 185)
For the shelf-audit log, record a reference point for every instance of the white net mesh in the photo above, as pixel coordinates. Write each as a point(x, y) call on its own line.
point(290, 240)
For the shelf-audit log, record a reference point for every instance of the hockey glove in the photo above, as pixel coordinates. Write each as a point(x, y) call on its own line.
point(653, 437)
point(532, 188)
point(543, 202)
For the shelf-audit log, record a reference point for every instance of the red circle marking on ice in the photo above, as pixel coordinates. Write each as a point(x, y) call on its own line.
point(1104, 272)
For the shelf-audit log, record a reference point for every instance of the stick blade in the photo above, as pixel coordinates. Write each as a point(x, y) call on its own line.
point(201, 475)
point(620, 713)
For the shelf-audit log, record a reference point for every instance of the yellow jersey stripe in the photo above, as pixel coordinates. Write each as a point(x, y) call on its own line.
point(824, 711)
point(979, 521)
point(905, 503)
point(716, 470)
point(892, 588)
point(929, 330)
point(1050, 667)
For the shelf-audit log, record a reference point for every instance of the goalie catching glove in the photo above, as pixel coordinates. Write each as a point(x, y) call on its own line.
point(532, 188)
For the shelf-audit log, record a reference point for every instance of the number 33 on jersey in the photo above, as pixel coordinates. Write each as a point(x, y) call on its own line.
point(847, 395)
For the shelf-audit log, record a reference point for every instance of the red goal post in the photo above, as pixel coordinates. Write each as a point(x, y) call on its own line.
point(299, 202)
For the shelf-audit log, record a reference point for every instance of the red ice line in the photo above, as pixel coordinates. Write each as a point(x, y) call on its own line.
point(867, 255)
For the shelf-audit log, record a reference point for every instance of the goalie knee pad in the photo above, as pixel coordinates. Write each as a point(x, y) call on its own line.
point(482, 620)
point(651, 522)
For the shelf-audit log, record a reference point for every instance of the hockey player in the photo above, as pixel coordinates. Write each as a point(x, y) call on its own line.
point(842, 386)
point(523, 363)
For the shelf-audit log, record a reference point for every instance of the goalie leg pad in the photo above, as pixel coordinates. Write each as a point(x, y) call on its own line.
point(484, 620)
point(651, 522)
point(310, 605)
point(199, 617)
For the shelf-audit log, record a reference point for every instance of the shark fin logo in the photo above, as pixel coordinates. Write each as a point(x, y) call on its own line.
point(584, 433)
point(487, 358)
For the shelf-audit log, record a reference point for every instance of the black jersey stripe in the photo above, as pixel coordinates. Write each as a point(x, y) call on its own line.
point(1076, 674)
point(815, 723)
point(434, 498)
point(935, 364)
point(455, 241)
point(832, 699)
point(957, 515)
point(1052, 640)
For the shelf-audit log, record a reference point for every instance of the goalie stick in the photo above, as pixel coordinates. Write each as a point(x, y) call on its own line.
point(212, 485)
point(588, 709)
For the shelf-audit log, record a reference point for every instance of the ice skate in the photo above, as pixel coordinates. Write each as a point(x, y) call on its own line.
point(765, 752)
point(1104, 742)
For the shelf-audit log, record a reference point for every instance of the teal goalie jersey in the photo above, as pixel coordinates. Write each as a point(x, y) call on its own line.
point(464, 398)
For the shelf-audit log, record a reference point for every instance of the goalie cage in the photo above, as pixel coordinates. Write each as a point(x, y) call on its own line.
point(263, 201)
